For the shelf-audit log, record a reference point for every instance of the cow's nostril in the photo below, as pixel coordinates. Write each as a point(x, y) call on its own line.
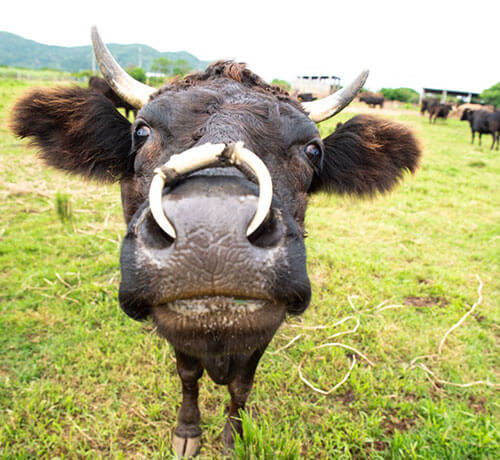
point(269, 233)
point(152, 234)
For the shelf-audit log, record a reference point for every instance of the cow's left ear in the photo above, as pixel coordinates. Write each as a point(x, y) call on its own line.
point(366, 155)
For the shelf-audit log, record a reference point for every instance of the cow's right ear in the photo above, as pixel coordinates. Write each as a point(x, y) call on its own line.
point(366, 155)
point(77, 130)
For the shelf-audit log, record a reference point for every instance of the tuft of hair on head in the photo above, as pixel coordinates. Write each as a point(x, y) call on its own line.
point(236, 71)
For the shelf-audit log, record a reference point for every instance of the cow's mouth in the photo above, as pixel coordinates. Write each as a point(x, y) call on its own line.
point(207, 325)
point(217, 305)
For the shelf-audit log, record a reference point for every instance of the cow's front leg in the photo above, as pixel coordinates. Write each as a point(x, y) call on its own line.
point(239, 389)
point(187, 435)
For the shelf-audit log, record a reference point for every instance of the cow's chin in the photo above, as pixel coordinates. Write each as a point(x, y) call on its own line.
point(208, 326)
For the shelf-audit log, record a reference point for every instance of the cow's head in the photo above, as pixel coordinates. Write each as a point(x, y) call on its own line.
point(467, 115)
point(215, 173)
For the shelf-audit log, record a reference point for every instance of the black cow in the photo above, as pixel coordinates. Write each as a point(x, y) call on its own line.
point(306, 97)
point(217, 257)
point(494, 127)
point(424, 106)
point(101, 86)
point(483, 122)
point(372, 99)
point(437, 109)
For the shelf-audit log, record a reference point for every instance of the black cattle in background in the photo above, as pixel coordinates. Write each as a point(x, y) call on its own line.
point(306, 97)
point(99, 85)
point(425, 106)
point(483, 122)
point(494, 127)
point(437, 110)
point(372, 99)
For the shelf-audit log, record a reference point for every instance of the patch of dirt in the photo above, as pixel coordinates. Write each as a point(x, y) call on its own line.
point(379, 445)
point(392, 423)
point(4, 372)
point(386, 110)
point(424, 281)
point(477, 164)
point(479, 318)
point(426, 301)
point(410, 397)
point(346, 398)
point(477, 404)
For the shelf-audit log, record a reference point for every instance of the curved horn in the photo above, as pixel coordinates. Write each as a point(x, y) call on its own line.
point(134, 92)
point(327, 107)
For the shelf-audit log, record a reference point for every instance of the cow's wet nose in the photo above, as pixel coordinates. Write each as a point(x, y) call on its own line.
point(210, 216)
point(207, 221)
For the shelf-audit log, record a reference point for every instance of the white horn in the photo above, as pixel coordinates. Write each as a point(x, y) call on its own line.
point(133, 91)
point(204, 156)
point(322, 109)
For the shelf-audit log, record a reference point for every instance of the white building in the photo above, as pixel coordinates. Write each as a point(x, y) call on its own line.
point(317, 85)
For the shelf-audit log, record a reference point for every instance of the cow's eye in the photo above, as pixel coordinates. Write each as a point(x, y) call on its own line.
point(143, 131)
point(313, 152)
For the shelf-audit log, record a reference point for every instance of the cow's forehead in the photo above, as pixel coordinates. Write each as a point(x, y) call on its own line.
point(218, 96)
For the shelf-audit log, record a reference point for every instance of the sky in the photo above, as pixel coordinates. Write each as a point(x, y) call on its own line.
point(415, 44)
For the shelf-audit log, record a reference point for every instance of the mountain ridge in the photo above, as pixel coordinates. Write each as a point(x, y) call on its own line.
point(17, 51)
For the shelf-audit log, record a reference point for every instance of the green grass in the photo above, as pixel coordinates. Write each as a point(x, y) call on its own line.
point(45, 75)
point(78, 379)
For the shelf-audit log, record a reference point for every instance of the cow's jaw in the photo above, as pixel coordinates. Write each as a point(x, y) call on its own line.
point(219, 325)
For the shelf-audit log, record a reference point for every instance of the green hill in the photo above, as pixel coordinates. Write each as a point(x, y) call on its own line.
point(16, 51)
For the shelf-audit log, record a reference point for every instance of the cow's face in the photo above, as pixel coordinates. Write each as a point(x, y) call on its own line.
point(466, 115)
point(213, 286)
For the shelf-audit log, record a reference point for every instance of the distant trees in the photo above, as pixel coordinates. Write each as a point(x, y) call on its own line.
point(282, 84)
point(492, 95)
point(400, 94)
point(169, 67)
point(138, 73)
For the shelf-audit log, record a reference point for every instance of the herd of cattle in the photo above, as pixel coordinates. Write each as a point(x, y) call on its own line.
point(481, 121)
point(435, 109)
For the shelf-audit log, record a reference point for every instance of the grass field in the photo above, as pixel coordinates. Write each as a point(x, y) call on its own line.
point(79, 379)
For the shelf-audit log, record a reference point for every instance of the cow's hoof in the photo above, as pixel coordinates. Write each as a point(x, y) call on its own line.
point(228, 435)
point(186, 447)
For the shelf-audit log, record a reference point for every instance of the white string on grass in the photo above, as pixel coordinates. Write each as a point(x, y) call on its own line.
point(352, 331)
point(461, 385)
point(463, 318)
point(378, 309)
point(387, 307)
point(335, 387)
point(431, 375)
point(289, 344)
point(327, 326)
point(338, 344)
point(351, 304)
